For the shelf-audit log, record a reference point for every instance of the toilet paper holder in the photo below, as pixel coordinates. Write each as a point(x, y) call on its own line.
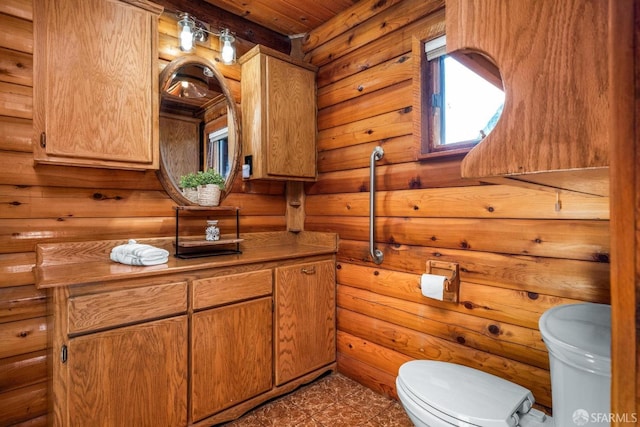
point(451, 271)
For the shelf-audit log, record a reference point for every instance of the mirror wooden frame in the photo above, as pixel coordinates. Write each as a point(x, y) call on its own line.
point(165, 176)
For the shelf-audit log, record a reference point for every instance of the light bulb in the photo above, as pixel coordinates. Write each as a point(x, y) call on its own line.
point(186, 39)
point(227, 52)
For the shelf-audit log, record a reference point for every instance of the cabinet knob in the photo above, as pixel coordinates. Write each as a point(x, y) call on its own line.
point(311, 270)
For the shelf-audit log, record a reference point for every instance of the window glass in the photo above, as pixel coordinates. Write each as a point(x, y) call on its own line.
point(460, 98)
point(217, 152)
point(471, 104)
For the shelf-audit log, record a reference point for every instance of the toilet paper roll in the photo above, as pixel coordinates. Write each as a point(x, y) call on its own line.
point(432, 286)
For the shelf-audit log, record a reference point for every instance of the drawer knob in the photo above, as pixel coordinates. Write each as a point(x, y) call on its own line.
point(311, 270)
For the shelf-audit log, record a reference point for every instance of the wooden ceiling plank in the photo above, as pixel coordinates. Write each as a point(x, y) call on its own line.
point(284, 18)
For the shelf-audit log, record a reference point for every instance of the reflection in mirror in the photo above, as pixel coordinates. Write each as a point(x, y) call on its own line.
point(198, 124)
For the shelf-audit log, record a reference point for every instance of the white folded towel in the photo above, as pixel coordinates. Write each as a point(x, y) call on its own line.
point(134, 253)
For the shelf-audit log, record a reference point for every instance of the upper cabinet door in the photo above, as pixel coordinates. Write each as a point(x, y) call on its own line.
point(554, 60)
point(95, 83)
point(278, 115)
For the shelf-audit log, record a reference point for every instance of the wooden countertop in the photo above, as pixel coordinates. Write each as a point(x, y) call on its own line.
point(73, 263)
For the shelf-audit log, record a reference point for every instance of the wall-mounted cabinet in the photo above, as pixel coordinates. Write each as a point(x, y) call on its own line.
point(95, 83)
point(278, 115)
point(554, 129)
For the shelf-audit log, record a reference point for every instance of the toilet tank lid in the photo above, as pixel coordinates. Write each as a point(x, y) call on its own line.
point(584, 329)
point(464, 393)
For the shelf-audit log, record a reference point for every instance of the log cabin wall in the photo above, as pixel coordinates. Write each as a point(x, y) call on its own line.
point(57, 203)
point(518, 255)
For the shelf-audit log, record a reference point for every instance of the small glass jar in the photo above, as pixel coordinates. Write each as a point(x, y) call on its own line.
point(212, 232)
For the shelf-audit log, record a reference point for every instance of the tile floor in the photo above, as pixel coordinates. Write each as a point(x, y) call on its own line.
point(331, 401)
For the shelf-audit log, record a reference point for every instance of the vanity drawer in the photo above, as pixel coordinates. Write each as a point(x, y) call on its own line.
point(109, 309)
point(221, 290)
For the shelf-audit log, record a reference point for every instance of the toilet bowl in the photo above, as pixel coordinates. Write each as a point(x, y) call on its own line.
point(578, 337)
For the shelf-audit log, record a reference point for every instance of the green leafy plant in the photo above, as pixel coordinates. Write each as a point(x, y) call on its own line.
point(210, 176)
point(189, 180)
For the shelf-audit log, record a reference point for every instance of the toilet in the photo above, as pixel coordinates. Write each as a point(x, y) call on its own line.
point(578, 337)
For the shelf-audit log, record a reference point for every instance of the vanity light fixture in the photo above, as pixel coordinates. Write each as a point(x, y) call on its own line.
point(227, 47)
point(191, 30)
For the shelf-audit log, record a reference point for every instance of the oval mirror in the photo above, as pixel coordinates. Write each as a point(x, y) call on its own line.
point(198, 125)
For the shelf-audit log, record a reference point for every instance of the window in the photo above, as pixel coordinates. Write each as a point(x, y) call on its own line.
point(461, 99)
point(217, 151)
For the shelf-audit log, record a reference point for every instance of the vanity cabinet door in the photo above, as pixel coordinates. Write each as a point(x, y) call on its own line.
point(305, 330)
point(231, 355)
point(128, 376)
point(95, 83)
point(278, 115)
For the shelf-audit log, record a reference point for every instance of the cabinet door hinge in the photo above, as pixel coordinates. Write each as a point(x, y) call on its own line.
point(43, 140)
point(63, 354)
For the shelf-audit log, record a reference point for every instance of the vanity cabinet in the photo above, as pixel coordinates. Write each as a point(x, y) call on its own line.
point(231, 340)
point(119, 356)
point(554, 130)
point(96, 83)
point(193, 342)
point(278, 115)
point(305, 308)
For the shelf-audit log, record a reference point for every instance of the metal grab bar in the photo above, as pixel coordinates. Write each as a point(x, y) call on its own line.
point(376, 254)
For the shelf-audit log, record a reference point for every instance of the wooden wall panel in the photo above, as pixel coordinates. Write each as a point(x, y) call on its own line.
point(23, 404)
point(440, 173)
point(22, 302)
point(382, 101)
point(377, 26)
point(520, 251)
point(17, 33)
point(16, 269)
point(22, 370)
point(515, 342)
point(396, 150)
point(583, 280)
point(378, 128)
point(16, 134)
point(23, 336)
point(18, 8)
point(490, 201)
point(363, 9)
point(583, 240)
point(17, 67)
point(378, 77)
point(42, 203)
point(380, 50)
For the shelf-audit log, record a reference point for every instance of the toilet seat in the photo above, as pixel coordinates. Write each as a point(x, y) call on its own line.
point(460, 396)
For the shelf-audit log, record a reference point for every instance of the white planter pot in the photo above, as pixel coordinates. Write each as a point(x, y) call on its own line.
point(208, 195)
point(191, 194)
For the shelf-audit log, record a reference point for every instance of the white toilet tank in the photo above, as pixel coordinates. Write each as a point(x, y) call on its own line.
point(578, 337)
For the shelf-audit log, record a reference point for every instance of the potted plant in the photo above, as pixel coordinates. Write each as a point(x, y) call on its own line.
point(189, 185)
point(210, 185)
